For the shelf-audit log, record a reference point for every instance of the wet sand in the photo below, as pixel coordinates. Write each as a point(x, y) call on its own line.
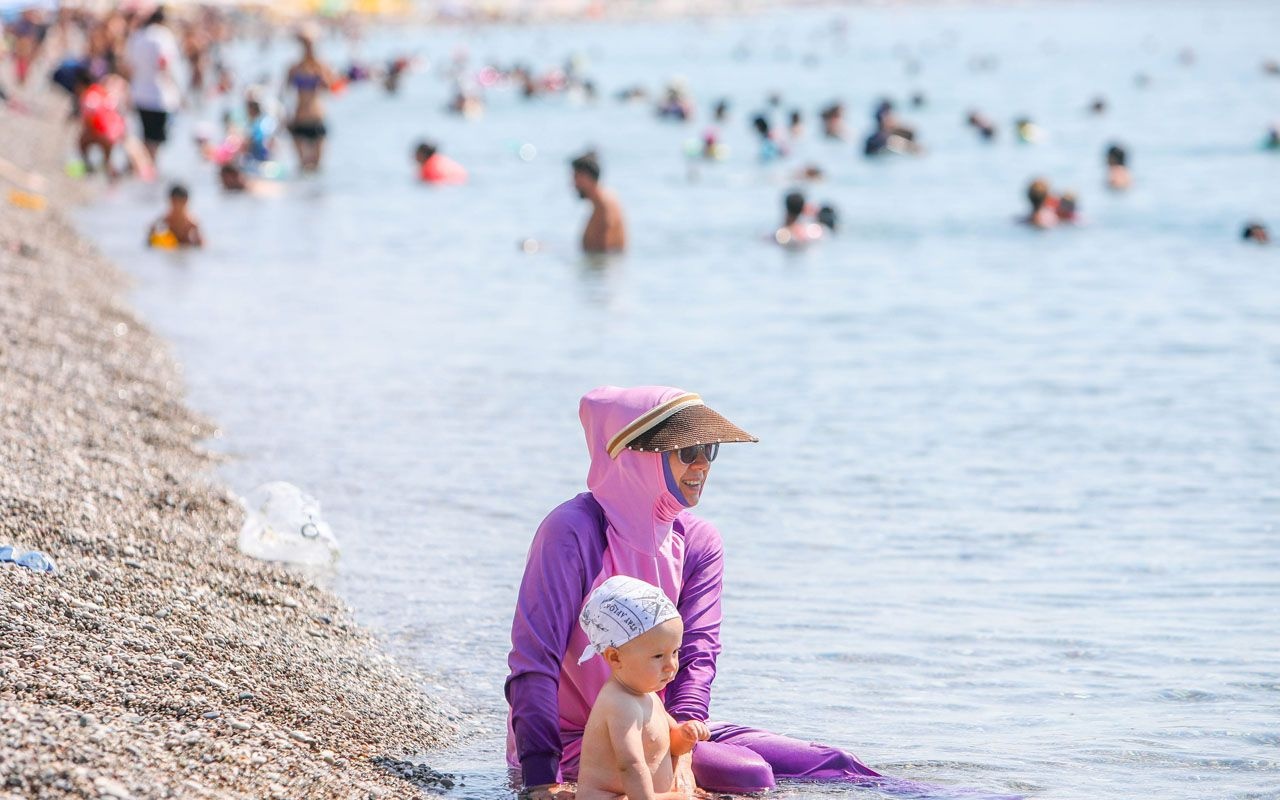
point(157, 661)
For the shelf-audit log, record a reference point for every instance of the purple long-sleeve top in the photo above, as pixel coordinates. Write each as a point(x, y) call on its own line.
point(568, 555)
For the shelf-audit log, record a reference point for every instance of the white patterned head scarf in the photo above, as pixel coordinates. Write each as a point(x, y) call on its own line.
point(619, 610)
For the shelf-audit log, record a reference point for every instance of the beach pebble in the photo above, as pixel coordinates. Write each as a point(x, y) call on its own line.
point(420, 775)
point(110, 477)
point(301, 736)
point(109, 788)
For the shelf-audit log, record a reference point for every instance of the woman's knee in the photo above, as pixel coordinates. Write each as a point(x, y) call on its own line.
point(729, 768)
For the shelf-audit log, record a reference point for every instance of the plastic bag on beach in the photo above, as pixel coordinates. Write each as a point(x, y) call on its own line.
point(33, 560)
point(283, 523)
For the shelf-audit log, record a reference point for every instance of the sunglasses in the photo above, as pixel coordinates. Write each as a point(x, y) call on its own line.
point(688, 455)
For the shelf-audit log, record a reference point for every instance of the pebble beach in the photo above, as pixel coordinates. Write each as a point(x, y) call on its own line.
point(156, 661)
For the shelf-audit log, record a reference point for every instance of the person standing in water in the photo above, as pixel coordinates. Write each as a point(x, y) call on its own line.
point(152, 53)
point(308, 78)
point(606, 231)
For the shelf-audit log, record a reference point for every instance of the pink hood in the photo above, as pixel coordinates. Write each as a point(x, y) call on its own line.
point(631, 488)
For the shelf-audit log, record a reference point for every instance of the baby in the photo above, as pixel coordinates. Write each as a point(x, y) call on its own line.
point(631, 742)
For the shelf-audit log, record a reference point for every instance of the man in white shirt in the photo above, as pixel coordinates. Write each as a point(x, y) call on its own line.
point(153, 55)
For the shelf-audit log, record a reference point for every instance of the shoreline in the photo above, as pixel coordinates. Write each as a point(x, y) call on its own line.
point(157, 661)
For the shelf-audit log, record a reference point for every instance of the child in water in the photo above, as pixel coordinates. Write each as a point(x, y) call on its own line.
point(436, 167)
point(176, 228)
point(631, 742)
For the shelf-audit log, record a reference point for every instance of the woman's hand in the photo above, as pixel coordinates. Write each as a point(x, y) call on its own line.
point(547, 791)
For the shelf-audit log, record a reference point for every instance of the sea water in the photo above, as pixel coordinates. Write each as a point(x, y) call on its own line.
point(1011, 523)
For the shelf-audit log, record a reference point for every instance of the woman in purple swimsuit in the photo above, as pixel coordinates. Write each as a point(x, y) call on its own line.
point(307, 79)
point(651, 450)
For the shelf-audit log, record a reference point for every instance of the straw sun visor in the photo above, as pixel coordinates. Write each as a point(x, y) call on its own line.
point(681, 422)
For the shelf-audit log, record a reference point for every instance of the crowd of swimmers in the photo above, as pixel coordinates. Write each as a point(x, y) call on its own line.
point(140, 60)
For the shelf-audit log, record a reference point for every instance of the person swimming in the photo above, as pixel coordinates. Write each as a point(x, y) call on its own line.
point(1027, 131)
point(796, 231)
point(709, 148)
point(833, 121)
point(1068, 209)
point(177, 228)
point(795, 124)
point(771, 147)
point(396, 69)
point(809, 172)
point(435, 167)
point(828, 218)
point(1256, 232)
point(232, 178)
point(1044, 212)
point(984, 126)
point(890, 135)
point(1118, 176)
point(676, 104)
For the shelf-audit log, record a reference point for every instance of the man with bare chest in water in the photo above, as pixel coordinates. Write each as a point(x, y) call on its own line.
point(605, 232)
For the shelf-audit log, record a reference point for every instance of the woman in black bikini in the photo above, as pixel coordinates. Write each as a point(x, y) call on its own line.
point(308, 78)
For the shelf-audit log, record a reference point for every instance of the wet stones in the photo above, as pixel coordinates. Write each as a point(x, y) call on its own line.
point(420, 775)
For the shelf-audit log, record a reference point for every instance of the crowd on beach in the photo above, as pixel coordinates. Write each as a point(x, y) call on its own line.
point(130, 69)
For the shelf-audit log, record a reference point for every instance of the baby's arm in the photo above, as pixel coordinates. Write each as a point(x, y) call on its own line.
point(685, 735)
point(625, 723)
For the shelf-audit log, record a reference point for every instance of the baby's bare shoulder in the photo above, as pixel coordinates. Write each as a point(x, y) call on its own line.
point(621, 705)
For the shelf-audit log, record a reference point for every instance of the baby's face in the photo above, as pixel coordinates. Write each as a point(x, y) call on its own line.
point(649, 662)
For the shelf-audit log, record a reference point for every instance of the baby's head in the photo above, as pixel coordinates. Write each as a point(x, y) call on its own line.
point(636, 629)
